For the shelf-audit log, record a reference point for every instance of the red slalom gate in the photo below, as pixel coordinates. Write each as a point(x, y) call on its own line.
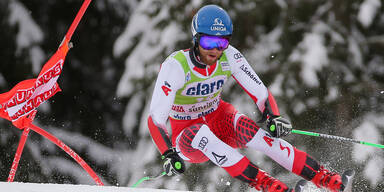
point(19, 151)
point(69, 151)
point(19, 105)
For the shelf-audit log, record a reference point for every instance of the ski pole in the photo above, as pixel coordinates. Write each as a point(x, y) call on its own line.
point(336, 138)
point(148, 178)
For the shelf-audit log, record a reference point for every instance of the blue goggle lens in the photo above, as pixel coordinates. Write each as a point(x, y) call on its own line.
point(211, 42)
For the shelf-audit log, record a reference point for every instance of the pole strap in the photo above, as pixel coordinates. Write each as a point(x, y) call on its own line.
point(148, 178)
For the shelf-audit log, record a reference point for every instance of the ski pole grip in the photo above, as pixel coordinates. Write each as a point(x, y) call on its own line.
point(305, 132)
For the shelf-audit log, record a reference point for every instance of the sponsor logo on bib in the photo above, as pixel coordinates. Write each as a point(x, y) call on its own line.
point(225, 66)
point(205, 88)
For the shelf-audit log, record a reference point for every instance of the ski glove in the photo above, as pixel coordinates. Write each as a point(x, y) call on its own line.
point(173, 164)
point(278, 126)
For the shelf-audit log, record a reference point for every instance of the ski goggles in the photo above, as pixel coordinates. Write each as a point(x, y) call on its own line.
point(211, 42)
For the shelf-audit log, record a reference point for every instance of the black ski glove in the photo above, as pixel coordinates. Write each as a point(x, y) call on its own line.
point(173, 164)
point(278, 126)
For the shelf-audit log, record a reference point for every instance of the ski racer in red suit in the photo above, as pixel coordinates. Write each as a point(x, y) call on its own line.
point(204, 127)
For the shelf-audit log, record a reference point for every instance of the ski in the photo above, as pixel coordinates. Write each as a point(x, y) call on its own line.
point(347, 178)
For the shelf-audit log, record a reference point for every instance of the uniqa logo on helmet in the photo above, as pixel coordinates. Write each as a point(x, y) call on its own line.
point(211, 20)
point(218, 25)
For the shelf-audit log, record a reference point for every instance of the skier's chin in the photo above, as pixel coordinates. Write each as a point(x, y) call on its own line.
point(211, 59)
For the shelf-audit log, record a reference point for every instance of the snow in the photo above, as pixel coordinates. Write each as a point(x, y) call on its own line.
point(312, 54)
point(299, 107)
point(130, 116)
point(368, 11)
point(3, 82)
point(261, 52)
point(275, 87)
point(34, 187)
point(353, 47)
point(153, 42)
point(370, 157)
point(29, 34)
point(333, 93)
point(366, 132)
point(37, 58)
point(374, 169)
point(121, 161)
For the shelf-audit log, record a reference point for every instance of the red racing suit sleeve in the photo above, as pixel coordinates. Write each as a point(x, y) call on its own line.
point(160, 136)
point(250, 82)
point(271, 108)
point(170, 79)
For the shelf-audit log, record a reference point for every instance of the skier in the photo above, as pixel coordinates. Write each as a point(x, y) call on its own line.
point(204, 127)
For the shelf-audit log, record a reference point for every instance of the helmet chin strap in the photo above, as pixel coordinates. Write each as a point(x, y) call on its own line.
point(194, 53)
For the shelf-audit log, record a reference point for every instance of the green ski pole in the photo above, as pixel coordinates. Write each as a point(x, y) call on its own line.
point(148, 178)
point(336, 138)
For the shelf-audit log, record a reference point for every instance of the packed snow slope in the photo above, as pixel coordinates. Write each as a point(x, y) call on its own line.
point(35, 187)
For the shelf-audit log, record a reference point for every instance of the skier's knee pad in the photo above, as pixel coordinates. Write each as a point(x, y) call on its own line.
point(216, 150)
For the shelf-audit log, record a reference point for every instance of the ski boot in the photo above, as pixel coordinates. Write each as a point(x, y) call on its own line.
point(267, 183)
point(329, 180)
